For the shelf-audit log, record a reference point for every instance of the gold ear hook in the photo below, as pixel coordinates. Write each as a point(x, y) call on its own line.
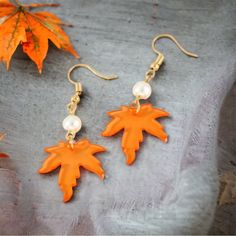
point(169, 36)
point(78, 85)
point(150, 74)
point(154, 67)
point(75, 99)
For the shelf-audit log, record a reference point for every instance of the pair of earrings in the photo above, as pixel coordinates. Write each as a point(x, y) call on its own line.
point(133, 119)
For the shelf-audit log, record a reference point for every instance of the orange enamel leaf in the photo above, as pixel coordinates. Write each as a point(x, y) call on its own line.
point(133, 125)
point(2, 155)
point(70, 160)
point(32, 30)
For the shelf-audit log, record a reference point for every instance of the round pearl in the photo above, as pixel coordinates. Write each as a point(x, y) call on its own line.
point(72, 123)
point(142, 90)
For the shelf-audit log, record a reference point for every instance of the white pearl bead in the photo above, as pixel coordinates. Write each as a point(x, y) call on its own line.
point(72, 123)
point(142, 89)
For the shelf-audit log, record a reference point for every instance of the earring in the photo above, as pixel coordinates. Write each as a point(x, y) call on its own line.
point(136, 118)
point(71, 155)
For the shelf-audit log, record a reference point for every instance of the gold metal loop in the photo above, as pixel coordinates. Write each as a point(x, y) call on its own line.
point(95, 72)
point(136, 104)
point(171, 37)
point(70, 136)
point(150, 74)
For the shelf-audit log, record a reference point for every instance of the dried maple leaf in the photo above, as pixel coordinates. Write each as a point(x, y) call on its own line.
point(133, 125)
point(70, 159)
point(228, 188)
point(32, 30)
point(2, 155)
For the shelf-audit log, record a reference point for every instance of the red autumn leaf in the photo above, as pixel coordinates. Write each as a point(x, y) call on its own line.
point(133, 125)
point(70, 160)
point(2, 155)
point(32, 30)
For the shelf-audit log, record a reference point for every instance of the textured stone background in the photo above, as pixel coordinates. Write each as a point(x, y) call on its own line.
point(172, 188)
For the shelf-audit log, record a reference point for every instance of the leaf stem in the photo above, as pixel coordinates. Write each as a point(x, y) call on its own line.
point(34, 5)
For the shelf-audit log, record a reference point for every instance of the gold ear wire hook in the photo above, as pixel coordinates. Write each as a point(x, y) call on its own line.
point(150, 74)
point(75, 99)
point(78, 85)
point(154, 67)
point(169, 36)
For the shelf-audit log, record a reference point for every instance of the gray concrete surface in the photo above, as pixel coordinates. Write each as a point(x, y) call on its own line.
point(172, 188)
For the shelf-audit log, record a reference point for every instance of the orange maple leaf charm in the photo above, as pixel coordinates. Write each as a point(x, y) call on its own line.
point(70, 159)
point(2, 155)
point(133, 125)
point(32, 30)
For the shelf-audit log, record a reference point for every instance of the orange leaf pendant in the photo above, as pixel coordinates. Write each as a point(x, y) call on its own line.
point(70, 159)
point(134, 124)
